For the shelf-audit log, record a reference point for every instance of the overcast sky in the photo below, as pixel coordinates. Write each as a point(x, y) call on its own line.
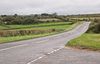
point(49, 6)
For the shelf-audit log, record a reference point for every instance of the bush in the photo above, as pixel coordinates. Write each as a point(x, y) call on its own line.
point(95, 26)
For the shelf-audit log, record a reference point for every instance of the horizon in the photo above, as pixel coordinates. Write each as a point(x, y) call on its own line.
point(52, 13)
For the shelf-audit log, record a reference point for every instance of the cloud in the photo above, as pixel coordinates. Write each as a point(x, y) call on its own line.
point(49, 6)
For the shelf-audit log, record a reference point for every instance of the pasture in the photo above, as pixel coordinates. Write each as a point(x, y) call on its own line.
point(9, 33)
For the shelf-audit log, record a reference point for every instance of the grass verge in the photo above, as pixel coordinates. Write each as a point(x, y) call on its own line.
point(86, 41)
point(25, 37)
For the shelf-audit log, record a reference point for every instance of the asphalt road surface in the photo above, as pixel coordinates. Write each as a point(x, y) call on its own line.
point(48, 50)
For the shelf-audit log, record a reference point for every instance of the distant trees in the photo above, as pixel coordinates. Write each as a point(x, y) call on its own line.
point(45, 14)
point(16, 19)
point(30, 19)
point(49, 15)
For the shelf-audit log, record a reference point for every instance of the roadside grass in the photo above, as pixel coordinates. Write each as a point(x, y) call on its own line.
point(63, 26)
point(25, 37)
point(86, 41)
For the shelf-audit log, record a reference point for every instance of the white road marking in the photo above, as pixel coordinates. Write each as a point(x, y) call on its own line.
point(45, 55)
point(55, 50)
point(36, 59)
point(13, 47)
point(20, 46)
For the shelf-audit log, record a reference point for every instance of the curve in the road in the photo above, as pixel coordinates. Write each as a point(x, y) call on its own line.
point(28, 51)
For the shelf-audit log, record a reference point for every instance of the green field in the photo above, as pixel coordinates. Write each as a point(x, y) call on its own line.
point(61, 26)
point(86, 41)
point(35, 26)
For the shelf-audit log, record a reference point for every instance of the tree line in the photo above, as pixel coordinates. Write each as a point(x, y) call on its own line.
point(21, 19)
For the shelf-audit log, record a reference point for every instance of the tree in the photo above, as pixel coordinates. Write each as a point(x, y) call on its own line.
point(15, 15)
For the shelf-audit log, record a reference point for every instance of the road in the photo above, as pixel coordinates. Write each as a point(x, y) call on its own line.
point(44, 50)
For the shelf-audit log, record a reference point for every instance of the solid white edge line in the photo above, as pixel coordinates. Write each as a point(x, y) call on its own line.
point(12, 47)
point(19, 46)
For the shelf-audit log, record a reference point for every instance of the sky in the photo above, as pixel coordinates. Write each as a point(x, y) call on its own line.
point(63, 7)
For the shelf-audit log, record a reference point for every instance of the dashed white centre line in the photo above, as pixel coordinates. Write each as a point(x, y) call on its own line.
point(44, 55)
point(36, 59)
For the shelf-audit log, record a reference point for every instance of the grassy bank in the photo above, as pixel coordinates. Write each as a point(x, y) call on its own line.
point(18, 38)
point(58, 27)
point(86, 41)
